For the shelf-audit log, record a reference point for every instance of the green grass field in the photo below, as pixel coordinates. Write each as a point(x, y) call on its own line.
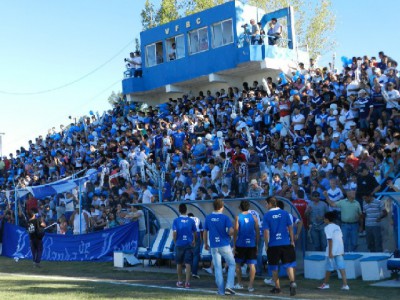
point(85, 280)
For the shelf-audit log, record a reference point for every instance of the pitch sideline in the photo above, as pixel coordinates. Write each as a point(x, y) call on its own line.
point(126, 282)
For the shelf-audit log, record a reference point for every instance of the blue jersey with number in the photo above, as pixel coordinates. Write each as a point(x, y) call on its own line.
point(218, 225)
point(277, 220)
point(246, 234)
point(184, 227)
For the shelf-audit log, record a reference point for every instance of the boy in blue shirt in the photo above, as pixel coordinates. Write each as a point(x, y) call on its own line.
point(279, 244)
point(184, 234)
point(220, 228)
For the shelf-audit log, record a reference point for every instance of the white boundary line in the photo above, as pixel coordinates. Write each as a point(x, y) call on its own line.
point(126, 282)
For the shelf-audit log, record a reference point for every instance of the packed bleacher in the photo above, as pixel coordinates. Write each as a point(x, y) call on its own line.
point(315, 133)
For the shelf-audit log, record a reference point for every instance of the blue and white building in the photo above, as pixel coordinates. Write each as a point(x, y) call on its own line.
point(212, 50)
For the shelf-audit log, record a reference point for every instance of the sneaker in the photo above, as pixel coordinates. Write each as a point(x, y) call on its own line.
point(275, 291)
point(187, 285)
point(179, 284)
point(324, 286)
point(208, 270)
point(238, 286)
point(362, 234)
point(269, 281)
point(345, 288)
point(292, 288)
point(196, 276)
point(250, 289)
point(229, 291)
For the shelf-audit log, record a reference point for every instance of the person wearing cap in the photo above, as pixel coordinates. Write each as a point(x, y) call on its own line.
point(335, 143)
point(305, 169)
point(365, 108)
point(255, 190)
point(314, 213)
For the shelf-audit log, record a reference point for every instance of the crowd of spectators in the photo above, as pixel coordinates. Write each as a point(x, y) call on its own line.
point(295, 136)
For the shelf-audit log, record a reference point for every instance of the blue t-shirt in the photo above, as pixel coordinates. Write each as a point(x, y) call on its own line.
point(276, 221)
point(218, 224)
point(184, 227)
point(158, 141)
point(178, 139)
point(246, 235)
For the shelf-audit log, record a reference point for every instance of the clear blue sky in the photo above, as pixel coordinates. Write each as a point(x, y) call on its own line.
point(47, 43)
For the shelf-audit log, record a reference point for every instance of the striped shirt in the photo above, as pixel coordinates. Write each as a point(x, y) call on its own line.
point(372, 212)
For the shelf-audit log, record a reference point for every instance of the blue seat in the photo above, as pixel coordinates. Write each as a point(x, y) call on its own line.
point(168, 252)
point(156, 248)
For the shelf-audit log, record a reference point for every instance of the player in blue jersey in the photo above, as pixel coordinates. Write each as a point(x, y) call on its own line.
point(184, 234)
point(245, 238)
point(279, 243)
point(219, 227)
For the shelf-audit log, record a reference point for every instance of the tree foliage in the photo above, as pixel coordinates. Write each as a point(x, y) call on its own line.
point(114, 98)
point(314, 22)
point(168, 11)
point(149, 16)
point(194, 6)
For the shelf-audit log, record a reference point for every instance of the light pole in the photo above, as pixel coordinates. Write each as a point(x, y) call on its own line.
point(1, 144)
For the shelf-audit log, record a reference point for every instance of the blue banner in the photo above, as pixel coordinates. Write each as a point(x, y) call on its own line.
point(85, 247)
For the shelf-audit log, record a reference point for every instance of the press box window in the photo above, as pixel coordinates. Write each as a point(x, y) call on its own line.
point(222, 33)
point(154, 54)
point(198, 40)
point(175, 47)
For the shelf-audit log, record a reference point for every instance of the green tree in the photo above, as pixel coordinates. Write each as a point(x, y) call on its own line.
point(114, 98)
point(169, 11)
point(194, 6)
point(149, 16)
point(314, 22)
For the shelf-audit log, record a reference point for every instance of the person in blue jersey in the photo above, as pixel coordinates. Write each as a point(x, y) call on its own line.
point(279, 243)
point(245, 239)
point(184, 234)
point(178, 138)
point(218, 231)
point(196, 249)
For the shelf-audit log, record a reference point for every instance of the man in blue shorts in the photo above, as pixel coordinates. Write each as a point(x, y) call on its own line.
point(245, 238)
point(279, 243)
point(220, 228)
point(184, 234)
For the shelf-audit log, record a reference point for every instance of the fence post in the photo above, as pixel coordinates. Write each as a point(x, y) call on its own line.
point(80, 207)
point(15, 205)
